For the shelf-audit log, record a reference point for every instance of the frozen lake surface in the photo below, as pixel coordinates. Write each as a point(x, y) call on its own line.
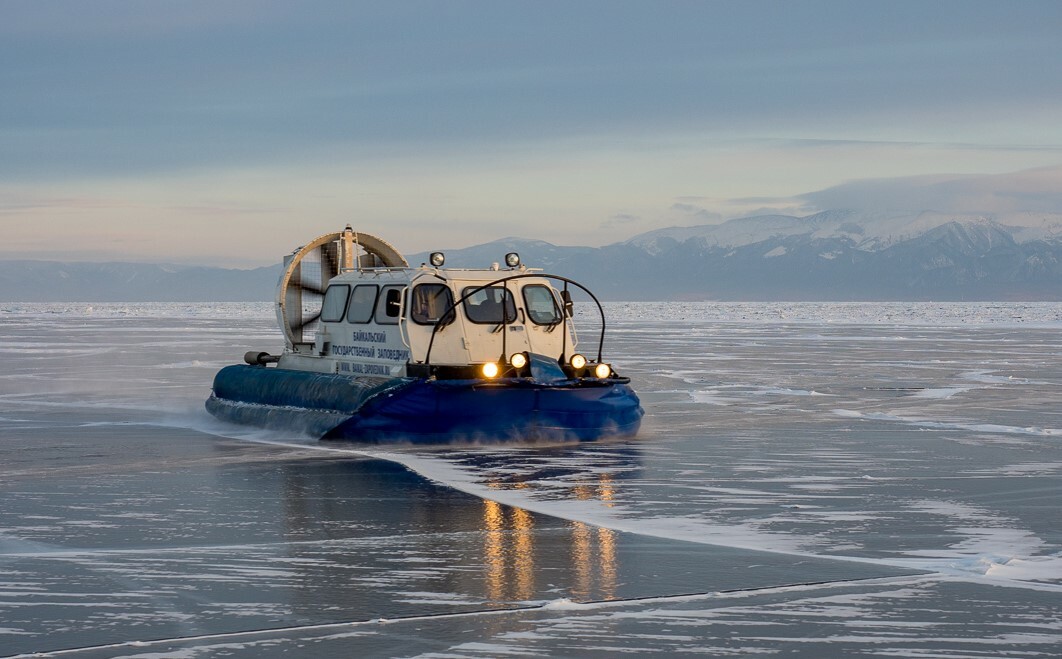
point(811, 480)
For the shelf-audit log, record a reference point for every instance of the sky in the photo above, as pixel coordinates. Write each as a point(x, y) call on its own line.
point(228, 132)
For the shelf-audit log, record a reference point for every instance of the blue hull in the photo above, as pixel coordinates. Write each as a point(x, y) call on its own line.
point(420, 411)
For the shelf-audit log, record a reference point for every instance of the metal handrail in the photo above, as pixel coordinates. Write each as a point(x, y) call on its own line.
point(564, 313)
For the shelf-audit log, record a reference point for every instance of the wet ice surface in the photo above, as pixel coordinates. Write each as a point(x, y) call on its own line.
point(811, 479)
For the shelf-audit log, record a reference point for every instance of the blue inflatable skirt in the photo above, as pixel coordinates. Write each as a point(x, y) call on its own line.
point(420, 411)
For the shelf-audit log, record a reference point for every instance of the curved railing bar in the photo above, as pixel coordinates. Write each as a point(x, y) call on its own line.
point(565, 296)
point(453, 309)
point(505, 317)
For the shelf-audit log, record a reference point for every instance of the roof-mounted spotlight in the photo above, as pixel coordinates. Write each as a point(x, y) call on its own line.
point(512, 259)
point(437, 259)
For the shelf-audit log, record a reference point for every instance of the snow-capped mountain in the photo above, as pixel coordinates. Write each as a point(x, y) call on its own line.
point(839, 255)
point(864, 231)
point(538, 253)
point(853, 255)
point(835, 255)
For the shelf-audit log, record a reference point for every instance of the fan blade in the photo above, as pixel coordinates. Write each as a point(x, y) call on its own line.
point(315, 269)
point(309, 321)
point(307, 288)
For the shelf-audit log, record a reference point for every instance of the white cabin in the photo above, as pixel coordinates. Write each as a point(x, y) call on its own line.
point(382, 322)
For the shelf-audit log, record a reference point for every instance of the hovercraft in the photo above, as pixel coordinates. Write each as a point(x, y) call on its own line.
point(377, 351)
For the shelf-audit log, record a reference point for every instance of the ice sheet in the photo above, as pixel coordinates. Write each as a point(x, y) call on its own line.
point(846, 444)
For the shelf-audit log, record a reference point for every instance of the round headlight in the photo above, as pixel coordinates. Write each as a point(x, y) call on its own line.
point(577, 361)
point(489, 370)
point(512, 259)
point(602, 371)
point(518, 360)
point(437, 259)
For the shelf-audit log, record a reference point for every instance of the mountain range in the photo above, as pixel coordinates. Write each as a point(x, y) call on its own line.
point(61, 281)
point(833, 255)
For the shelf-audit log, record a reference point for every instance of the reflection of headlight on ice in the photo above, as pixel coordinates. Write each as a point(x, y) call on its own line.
point(577, 361)
point(518, 360)
point(489, 370)
point(602, 371)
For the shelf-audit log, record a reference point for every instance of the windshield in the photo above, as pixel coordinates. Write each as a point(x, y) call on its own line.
point(430, 302)
point(486, 304)
point(541, 305)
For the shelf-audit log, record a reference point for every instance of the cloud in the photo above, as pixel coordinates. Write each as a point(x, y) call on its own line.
point(702, 215)
point(620, 220)
point(128, 88)
point(1035, 190)
point(262, 124)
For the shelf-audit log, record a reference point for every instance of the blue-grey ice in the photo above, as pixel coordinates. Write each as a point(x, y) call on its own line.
point(811, 479)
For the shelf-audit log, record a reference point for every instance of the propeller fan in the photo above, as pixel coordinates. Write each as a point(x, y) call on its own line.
point(307, 271)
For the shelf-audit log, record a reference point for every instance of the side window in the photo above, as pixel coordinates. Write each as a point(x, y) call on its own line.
point(486, 305)
point(430, 302)
point(362, 303)
point(335, 303)
point(388, 305)
point(541, 306)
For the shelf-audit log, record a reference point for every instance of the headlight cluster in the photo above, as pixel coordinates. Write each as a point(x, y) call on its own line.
point(491, 370)
point(578, 363)
point(578, 366)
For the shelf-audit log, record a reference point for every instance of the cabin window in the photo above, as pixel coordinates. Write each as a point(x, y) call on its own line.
point(486, 304)
point(389, 305)
point(541, 306)
point(430, 302)
point(362, 303)
point(335, 303)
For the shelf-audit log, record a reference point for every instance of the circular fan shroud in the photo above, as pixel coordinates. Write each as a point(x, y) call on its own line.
point(300, 291)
